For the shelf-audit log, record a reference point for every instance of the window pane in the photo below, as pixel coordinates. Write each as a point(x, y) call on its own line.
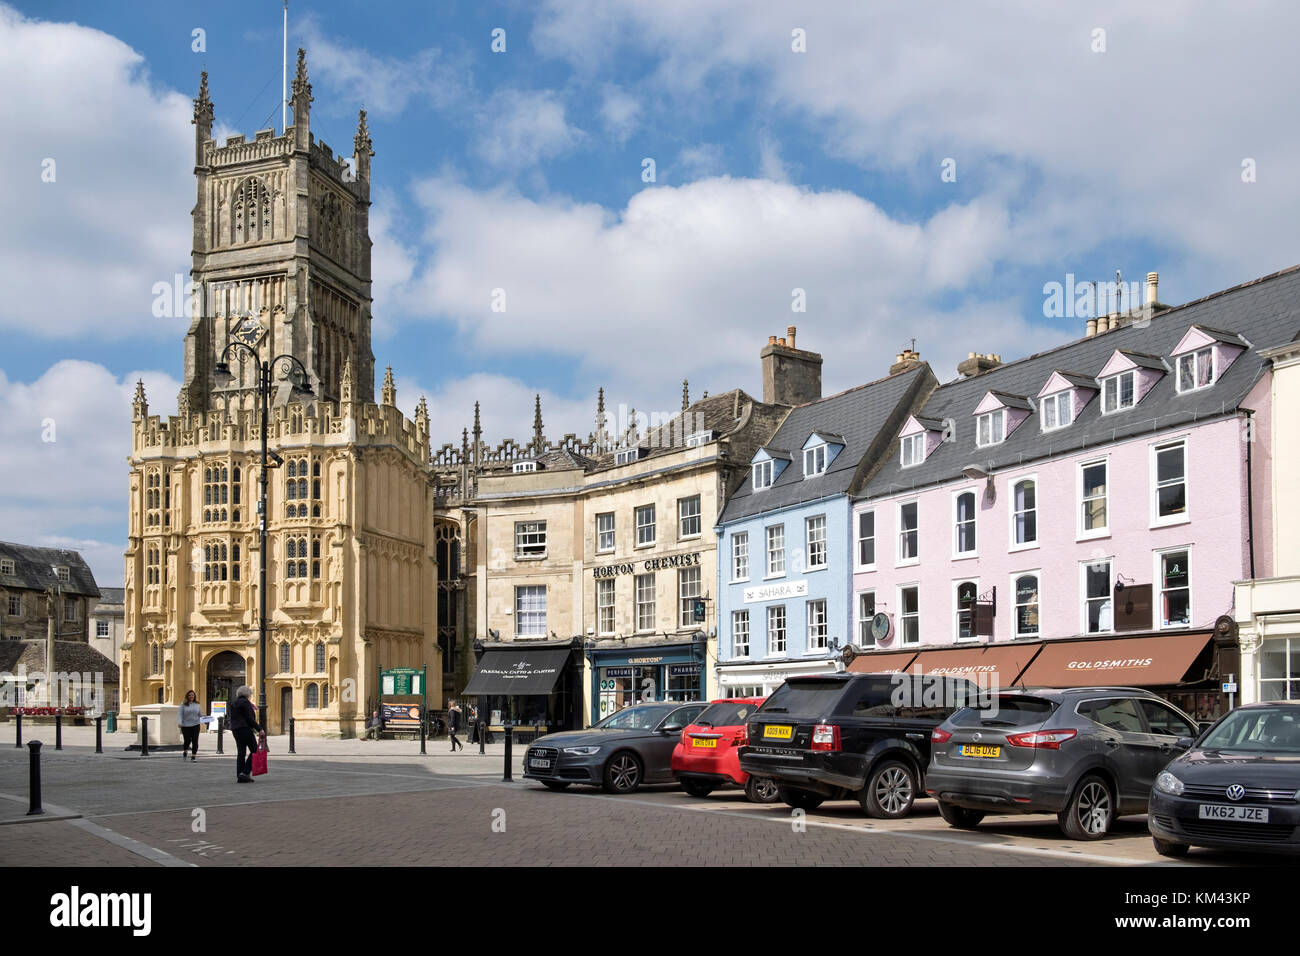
point(867, 538)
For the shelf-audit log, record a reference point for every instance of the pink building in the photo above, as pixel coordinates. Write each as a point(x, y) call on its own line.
point(1080, 517)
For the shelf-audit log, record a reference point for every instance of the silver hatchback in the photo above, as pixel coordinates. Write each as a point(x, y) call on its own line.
point(1087, 754)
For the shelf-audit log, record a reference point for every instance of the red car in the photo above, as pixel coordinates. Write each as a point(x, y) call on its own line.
point(708, 756)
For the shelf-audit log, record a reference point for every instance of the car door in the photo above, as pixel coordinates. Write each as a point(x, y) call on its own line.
point(1125, 746)
point(1166, 725)
point(657, 749)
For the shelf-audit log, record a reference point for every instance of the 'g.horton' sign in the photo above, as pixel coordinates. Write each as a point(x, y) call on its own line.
point(691, 560)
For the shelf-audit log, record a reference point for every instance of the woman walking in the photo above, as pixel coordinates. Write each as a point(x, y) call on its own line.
point(244, 727)
point(453, 727)
point(189, 717)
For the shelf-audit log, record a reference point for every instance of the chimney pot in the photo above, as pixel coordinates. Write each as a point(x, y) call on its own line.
point(789, 332)
point(771, 340)
point(1153, 287)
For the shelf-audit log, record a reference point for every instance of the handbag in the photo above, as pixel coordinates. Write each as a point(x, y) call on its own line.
point(259, 758)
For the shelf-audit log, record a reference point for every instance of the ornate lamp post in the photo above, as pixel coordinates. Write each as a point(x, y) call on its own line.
point(245, 334)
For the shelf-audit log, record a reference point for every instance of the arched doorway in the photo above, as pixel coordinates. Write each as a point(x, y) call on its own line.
point(286, 708)
point(225, 673)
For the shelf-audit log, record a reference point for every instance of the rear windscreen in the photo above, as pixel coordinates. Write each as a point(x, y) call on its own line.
point(725, 715)
point(805, 698)
point(1011, 711)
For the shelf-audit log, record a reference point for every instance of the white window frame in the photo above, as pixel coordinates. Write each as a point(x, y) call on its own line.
point(865, 638)
point(1156, 519)
point(522, 535)
point(903, 617)
point(626, 456)
point(696, 439)
point(638, 586)
point(771, 553)
point(643, 525)
point(810, 541)
point(531, 613)
point(858, 539)
point(1158, 589)
point(1000, 416)
point(1117, 381)
point(606, 587)
point(899, 560)
point(611, 531)
point(819, 625)
point(956, 610)
point(1057, 401)
point(777, 610)
point(62, 572)
point(813, 457)
point(686, 614)
point(911, 447)
point(6, 566)
point(1037, 574)
point(1012, 513)
point(973, 552)
point(520, 467)
point(1083, 533)
point(102, 626)
point(739, 556)
point(1205, 353)
point(739, 648)
point(1109, 561)
point(764, 474)
point(682, 519)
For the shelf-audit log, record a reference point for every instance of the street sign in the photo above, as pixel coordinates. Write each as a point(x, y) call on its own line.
point(1230, 687)
point(699, 610)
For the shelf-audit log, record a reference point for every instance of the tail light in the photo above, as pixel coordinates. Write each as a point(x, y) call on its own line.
point(939, 736)
point(826, 737)
point(741, 739)
point(1042, 739)
point(685, 741)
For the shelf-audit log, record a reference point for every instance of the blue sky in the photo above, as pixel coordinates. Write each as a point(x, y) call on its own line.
point(776, 168)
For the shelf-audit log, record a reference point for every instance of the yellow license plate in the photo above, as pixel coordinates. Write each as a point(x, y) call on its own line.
point(777, 732)
point(703, 742)
point(975, 750)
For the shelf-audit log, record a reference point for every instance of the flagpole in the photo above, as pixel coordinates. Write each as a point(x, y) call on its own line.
point(284, 74)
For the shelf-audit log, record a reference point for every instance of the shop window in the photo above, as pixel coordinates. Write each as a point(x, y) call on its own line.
point(1175, 589)
point(1027, 605)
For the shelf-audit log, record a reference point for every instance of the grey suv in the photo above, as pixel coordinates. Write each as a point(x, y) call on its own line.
point(1087, 754)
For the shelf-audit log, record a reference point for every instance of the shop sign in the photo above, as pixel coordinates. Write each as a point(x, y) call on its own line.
point(775, 592)
point(691, 560)
point(683, 670)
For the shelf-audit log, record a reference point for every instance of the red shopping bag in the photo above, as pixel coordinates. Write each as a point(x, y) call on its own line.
point(259, 758)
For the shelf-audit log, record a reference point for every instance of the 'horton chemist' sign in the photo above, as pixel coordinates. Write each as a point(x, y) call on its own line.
point(691, 560)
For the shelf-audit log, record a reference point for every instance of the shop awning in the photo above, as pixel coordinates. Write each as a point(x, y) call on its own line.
point(987, 664)
point(517, 673)
point(1135, 662)
point(881, 663)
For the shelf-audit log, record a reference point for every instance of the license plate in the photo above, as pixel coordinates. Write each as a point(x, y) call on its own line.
point(777, 732)
point(977, 750)
point(539, 763)
point(1220, 811)
point(703, 742)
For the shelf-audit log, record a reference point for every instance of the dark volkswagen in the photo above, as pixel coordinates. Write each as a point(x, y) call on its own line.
point(1237, 788)
point(622, 752)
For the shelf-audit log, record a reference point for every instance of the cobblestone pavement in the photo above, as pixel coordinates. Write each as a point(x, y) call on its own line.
point(355, 803)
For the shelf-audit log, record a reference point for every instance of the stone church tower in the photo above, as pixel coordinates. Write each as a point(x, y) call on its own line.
point(281, 264)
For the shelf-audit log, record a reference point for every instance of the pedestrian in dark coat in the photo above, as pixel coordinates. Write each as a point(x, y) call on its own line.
point(453, 726)
point(245, 728)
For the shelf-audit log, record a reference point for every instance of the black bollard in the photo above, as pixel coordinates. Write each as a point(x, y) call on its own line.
point(58, 731)
point(34, 778)
point(99, 735)
point(482, 736)
point(293, 721)
point(18, 723)
point(221, 735)
point(422, 750)
point(144, 736)
point(510, 739)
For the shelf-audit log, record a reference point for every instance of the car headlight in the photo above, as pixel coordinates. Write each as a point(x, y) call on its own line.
point(581, 751)
point(1168, 783)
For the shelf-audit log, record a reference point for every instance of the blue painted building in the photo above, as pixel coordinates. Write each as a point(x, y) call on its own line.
point(785, 565)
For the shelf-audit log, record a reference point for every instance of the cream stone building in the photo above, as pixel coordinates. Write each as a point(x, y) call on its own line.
point(281, 264)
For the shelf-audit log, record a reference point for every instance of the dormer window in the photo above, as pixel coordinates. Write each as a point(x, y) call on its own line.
point(699, 438)
point(522, 466)
point(762, 475)
point(626, 456)
point(814, 461)
point(1196, 370)
point(6, 566)
point(913, 449)
point(1056, 410)
point(62, 574)
point(1119, 392)
point(990, 428)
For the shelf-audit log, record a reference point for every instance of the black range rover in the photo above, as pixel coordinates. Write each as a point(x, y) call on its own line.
point(851, 736)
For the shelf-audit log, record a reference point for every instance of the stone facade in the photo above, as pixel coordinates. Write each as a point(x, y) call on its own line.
point(30, 578)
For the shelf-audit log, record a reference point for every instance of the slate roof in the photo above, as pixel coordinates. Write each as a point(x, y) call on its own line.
point(111, 596)
point(69, 657)
point(859, 415)
point(34, 569)
point(1266, 311)
point(717, 414)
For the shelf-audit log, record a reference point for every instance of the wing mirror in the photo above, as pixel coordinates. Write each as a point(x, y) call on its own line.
point(671, 728)
point(1184, 743)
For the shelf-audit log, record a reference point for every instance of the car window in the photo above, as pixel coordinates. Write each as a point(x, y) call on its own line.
point(806, 698)
point(633, 718)
point(1118, 714)
point(1006, 710)
point(874, 700)
point(1163, 719)
point(683, 715)
point(1264, 730)
point(727, 714)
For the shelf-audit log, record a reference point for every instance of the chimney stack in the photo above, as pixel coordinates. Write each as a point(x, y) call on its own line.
point(791, 376)
point(977, 364)
point(790, 330)
point(908, 358)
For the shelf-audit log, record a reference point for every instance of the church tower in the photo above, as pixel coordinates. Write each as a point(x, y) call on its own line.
point(281, 256)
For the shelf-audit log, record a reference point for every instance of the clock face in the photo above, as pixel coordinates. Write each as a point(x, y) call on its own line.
point(247, 330)
point(880, 626)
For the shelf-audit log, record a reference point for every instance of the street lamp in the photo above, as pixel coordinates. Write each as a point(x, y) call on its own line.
point(294, 368)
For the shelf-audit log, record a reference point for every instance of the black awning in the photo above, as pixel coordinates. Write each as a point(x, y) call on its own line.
point(517, 673)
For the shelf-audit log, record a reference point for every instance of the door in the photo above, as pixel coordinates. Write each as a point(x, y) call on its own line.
point(225, 674)
point(1126, 747)
point(286, 708)
point(658, 750)
point(1166, 726)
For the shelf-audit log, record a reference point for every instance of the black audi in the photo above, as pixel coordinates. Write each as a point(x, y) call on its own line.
point(623, 751)
point(1238, 788)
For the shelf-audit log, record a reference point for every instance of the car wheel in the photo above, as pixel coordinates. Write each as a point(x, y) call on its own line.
point(1090, 812)
point(890, 791)
point(799, 799)
point(622, 773)
point(960, 817)
point(697, 788)
point(1165, 848)
point(762, 790)
point(555, 784)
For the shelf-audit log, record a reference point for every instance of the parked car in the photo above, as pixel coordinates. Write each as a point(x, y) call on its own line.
point(859, 736)
point(625, 750)
point(1236, 788)
point(1087, 754)
point(708, 755)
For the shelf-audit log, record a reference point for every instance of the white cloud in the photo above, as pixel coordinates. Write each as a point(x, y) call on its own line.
point(520, 128)
point(80, 255)
point(697, 162)
point(770, 165)
point(71, 491)
point(620, 111)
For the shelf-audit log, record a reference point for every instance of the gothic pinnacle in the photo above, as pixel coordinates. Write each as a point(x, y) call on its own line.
point(300, 85)
point(362, 142)
point(203, 104)
point(686, 395)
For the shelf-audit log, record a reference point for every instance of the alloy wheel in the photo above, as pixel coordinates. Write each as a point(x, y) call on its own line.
point(1094, 808)
point(624, 773)
point(893, 790)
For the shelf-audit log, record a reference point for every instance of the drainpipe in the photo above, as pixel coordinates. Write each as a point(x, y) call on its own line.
point(1250, 494)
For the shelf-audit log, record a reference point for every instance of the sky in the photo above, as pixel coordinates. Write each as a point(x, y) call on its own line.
point(657, 188)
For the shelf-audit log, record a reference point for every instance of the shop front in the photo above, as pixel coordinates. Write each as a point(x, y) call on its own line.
point(759, 679)
point(536, 687)
point(625, 676)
